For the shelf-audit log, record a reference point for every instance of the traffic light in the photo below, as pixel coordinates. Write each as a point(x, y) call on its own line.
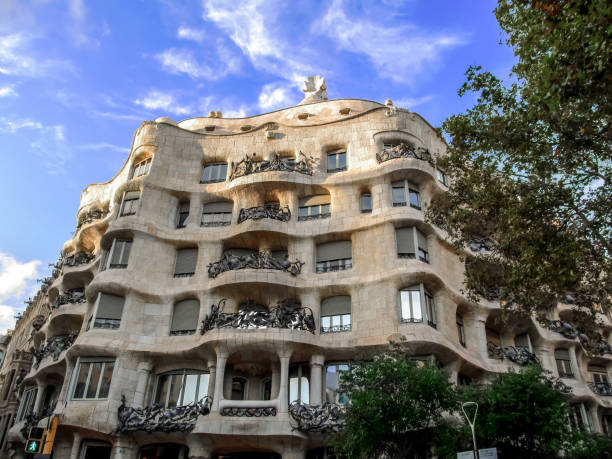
point(35, 440)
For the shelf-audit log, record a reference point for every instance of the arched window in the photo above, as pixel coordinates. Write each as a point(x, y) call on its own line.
point(313, 207)
point(181, 387)
point(336, 314)
point(214, 173)
point(417, 305)
point(185, 317)
point(141, 168)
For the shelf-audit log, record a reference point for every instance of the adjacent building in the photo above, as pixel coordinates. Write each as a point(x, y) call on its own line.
point(216, 287)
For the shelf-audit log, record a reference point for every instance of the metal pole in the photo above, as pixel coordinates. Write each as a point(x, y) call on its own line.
point(471, 424)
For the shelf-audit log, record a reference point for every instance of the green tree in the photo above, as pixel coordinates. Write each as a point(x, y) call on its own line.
point(586, 445)
point(395, 407)
point(531, 163)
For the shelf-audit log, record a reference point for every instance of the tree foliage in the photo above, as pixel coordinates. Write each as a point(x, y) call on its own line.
point(395, 406)
point(531, 161)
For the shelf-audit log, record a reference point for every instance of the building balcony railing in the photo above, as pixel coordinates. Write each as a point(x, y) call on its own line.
point(54, 346)
point(303, 218)
point(71, 297)
point(519, 355)
point(261, 260)
point(328, 417)
point(248, 165)
point(78, 258)
point(596, 345)
point(91, 216)
point(109, 324)
point(282, 214)
point(156, 418)
point(334, 265)
point(286, 314)
point(601, 388)
point(336, 329)
point(403, 150)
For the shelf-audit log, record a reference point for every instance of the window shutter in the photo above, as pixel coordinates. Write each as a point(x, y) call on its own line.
point(336, 305)
point(120, 252)
point(315, 200)
point(336, 250)
point(186, 260)
point(216, 207)
point(562, 354)
point(522, 340)
point(131, 195)
point(422, 240)
point(405, 240)
point(127, 246)
point(109, 306)
point(185, 316)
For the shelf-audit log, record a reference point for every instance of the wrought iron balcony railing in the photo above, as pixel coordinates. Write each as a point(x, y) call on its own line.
point(595, 345)
point(286, 314)
point(77, 258)
point(250, 412)
point(91, 216)
point(156, 418)
point(54, 346)
point(261, 260)
point(602, 388)
point(403, 150)
point(249, 166)
point(71, 297)
point(328, 417)
point(282, 214)
point(336, 328)
point(518, 355)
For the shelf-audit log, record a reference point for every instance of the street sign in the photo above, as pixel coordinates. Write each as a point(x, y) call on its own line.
point(34, 443)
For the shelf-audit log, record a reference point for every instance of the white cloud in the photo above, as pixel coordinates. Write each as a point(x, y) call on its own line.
point(12, 126)
point(276, 95)
point(239, 113)
point(119, 116)
point(7, 91)
point(401, 53)
point(15, 58)
point(15, 276)
point(410, 102)
point(7, 318)
point(104, 146)
point(188, 33)
point(157, 100)
point(180, 60)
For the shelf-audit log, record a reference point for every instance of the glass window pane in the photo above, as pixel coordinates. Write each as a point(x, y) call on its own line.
point(331, 384)
point(341, 161)
point(331, 162)
point(335, 321)
point(304, 389)
point(326, 209)
point(79, 389)
point(223, 172)
point(203, 388)
point(190, 387)
point(206, 174)
point(293, 389)
point(175, 390)
point(106, 379)
point(366, 202)
point(416, 305)
point(303, 211)
point(415, 199)
point(94, 379)
point(346, 319)
point(398, 195)
point(162, 389)
point(326, 322)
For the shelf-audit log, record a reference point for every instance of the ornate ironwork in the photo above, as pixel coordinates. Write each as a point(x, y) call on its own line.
point(286, 314)
point(325, 418)
point(249, 166)
point(249, 412)
point(156, 418)
point(336, 329)
point(70, 297)
point(54, 346)
point(282, 214)
point(403, 150)
point(562, 327)
point(518, 355)
point(261, 260)
point(599, 346)
point(91, 216)
point(78, 258)
point(303, 218)
point(601, 388)
point(45, 283)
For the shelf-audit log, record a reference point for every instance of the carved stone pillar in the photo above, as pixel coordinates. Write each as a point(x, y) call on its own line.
point(76, 444)
point(144, 371)
point(316, 378)
point(212, 370)
point(40, 393)
point(480, 334)
point(219, 377)
point(123, 449)
point(199, 447)
point(284, 356)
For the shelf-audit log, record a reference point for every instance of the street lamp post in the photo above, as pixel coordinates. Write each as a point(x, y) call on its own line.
point(471, 423)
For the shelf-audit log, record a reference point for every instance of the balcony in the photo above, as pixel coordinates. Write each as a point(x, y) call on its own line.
point(91, 216)
point(601, 388)
point(248, 165)
point(71, 297)
point(519, 355)
point(403, 150)
point(54, 346)
point(282, 214)
point(325, 418)
point(261, 260)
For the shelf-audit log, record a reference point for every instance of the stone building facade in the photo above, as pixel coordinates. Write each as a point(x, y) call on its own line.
point(217, 286)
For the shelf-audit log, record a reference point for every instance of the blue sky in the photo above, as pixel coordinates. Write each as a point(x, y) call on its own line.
point(78, 77)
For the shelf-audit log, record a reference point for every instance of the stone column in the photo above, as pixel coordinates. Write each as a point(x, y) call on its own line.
point(76, 444)
point(219, 377)
point(212, 370)
point(316, 378)
point(284, 356)
point(199, 447)
point(478, 334)
point(40, 393)
point(144, 371)
point(274, 391)
point(123, 449)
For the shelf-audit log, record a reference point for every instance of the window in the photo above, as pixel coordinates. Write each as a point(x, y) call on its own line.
point(464, 380)
point(217, 213)
point(185, 317)
point(182, 214)
point(93, 379)
point(606, 422)
point(141, 168)
point(579, 417)
point(564, 365)
point(403, 192)
point(442, 177)
point(299, 386)
point(417, 305)
point(461, 330)
point(523, 341)
point(185, 263)
point(130, 203)
point(91, 449)
point(266, 389)
point(334, 256)
point(239, 386)
point(181, 387)
point(336, 161)
point(493, 342)
point(366, 203)
point(165, 451)
point(109, 309)
point(213, 173)
point(27, 404)
point(407, 239)
point(311, 207)
point(332, 381)
point(336, 314)
point(600, 375)
point(117, 257)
